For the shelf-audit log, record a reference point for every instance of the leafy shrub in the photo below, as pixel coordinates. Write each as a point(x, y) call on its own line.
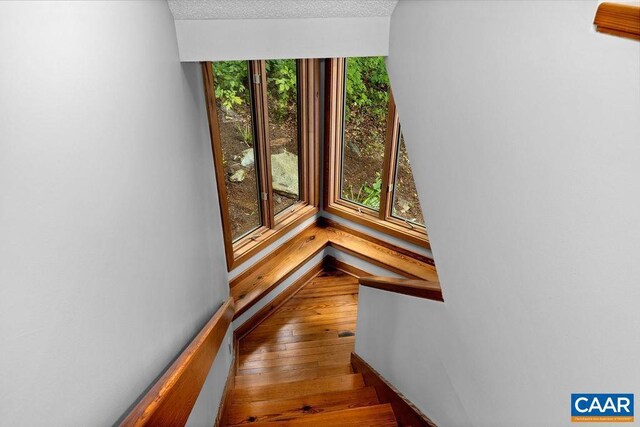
point(367, 87)
point(231, 82)
point(245, 133)
point(282, 87)
point(368, 194)
point(372, 192)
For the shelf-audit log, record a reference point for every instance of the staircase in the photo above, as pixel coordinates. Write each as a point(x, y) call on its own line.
point(294, 369)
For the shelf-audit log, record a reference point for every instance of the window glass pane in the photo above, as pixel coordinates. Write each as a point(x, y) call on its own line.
point(406, 205)
point(366, 106)
point(233, 99)
point(282, 107)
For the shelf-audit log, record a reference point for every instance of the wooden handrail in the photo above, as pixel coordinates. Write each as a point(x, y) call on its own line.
point(171, 399)
point(416, 288)
point(618, 19)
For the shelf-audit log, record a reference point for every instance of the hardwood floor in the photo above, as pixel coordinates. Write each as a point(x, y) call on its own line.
point(294, 369)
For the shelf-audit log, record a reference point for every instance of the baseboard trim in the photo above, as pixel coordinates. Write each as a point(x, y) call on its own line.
point(228, 386)
point(345, 268)
point(407, 414)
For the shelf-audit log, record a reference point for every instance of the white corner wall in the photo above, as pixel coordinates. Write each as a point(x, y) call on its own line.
point(110, 256)
point(523, 129)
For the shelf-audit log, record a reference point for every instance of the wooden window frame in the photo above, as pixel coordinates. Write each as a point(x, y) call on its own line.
point(334, 204)
point(273, 225)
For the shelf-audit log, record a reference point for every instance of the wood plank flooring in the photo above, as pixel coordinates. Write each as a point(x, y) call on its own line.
point(294, 369)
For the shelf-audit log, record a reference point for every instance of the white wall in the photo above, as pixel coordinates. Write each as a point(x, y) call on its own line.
point(110, 256)
point(523, 129)
point(231, 39)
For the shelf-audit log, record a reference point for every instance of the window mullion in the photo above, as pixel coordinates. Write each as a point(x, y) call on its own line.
point(218, 158)
point(388, 166)
point(335, 128)
point(303, 128)
point(259, 82)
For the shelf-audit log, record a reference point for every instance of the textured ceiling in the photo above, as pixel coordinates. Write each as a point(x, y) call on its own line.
point(279, 9)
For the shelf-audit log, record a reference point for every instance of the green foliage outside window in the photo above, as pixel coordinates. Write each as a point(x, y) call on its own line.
point(366, 109)
point(368, 194)
point(367, 86)
point(230, 82)
point(231, 87)
point(282, 85)
point(366, 102)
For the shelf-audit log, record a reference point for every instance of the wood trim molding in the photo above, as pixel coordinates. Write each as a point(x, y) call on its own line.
point(248, 287)
point(392, 228)
point(262, 277)
point(262, 314)
point(618, 19)
point(326, 222)
point(382, 256)
point(344, 267)
point(415, 288)
point(390, 160)
point(216, 150)
point(171, 399)
point(228, 385)
point(268, 236)
point(407, 414)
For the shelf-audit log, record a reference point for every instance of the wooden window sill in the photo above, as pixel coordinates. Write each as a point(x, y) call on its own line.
point(267, 273)
point(416, 288)
point(417, 235)
point(251, 244)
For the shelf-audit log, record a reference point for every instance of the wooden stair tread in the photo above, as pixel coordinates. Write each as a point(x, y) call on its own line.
point(294, 367)
point(295, 389)
point(264, 276)
point(380, 255)
point(322, 368)
point(310, 316)
point(247, 349)
point(306, 351)
point(290, 338)
point(294, 359)
point(287, 409)
point(371, 416)
point(291, 375)
point(297, 328)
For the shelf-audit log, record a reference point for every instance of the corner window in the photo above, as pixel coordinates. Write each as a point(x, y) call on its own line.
point(406, 205)
point(283, 109)
point(368, 178)
point(237, 143)
point(263, 125)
